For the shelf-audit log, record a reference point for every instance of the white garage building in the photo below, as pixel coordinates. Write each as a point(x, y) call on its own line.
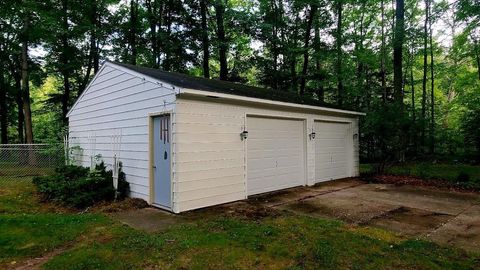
point(189, 142)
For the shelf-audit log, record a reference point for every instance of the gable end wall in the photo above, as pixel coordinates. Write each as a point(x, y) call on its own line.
point(118, 102)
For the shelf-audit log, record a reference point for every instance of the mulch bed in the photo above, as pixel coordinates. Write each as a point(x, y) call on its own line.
point(417, 181)
point(119, 206)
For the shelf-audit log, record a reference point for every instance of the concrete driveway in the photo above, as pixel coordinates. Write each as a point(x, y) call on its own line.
point(444, 217)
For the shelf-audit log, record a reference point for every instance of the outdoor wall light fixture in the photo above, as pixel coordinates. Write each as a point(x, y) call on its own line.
point(355, 136)
point(312, 135)
point(244, 135)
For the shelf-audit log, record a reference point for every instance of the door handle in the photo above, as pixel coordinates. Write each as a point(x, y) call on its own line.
point(154, 166)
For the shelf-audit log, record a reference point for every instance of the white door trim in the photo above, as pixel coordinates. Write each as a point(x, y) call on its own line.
point(151, 145)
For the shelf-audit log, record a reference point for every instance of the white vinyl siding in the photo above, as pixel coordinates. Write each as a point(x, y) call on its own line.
point(356, 148)
point(116, 100)
point(210, 165)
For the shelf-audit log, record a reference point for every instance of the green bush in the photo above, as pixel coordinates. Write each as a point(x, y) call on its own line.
point(463, 177)
point(78, 187)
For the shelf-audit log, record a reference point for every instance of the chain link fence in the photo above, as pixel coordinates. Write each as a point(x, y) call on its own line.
point(19, 161)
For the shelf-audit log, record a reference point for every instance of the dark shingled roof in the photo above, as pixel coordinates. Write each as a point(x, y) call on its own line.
point(218, 86)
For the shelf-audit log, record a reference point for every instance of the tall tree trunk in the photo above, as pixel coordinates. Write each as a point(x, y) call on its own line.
point(90, 64)
point(432, 93)
point(152, 11)
point(3, 110)
point(412, 88)
point(65, 68)
point(425, 66)
point(398, 79)
point(339, 42)
point(20, 120)
point(318, 65)
point(383, 56)
point(133, 31)
point(94, 37)
point(310, 18)
point(222, 42)
point(358, 51)
point(398, 51)
point(167, 64)
point(205, 41)
point(393, 20)
point(25, 87)
point(96, 57)
point(274, 44)
point(293, 55)
point(477, 55)
point(26, 91)
point(453, 75)
point(16, 73)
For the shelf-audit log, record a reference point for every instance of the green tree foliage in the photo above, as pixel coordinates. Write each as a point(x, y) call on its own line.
point(336, 51)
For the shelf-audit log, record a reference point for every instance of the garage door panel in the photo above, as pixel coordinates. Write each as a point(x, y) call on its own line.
point(333, 143)
point(331, 151)
point(261, 144)
point(259, 154)
point(265, 132)
point(293, 160)
point(261, 164)
point(275, 154)
point(323, 166)
point(329, 135)
point(289, 151)
point(257, 174)
point(339, 157)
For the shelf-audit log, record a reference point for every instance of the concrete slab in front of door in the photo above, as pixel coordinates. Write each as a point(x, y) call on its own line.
point(149, 219)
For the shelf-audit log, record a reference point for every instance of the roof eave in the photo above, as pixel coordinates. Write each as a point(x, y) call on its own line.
point(201, 93)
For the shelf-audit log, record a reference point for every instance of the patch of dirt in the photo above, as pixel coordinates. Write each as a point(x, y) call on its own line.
point(243, 210)
point(36, 263)
point(307, 207)
point(119, 206)
point(347, 213)
point(409, 221)
point(52, 207)
point(416, 181)
point(279, 197)
point(97, 235)
point(101, 207)
point(251, 211)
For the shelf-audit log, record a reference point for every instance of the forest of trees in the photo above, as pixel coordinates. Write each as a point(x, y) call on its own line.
point(412, 65)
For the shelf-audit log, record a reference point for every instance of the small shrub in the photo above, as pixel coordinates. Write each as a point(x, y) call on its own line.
point(78, 187)
point(71, 172)
point(423, 171)
point(463, 177)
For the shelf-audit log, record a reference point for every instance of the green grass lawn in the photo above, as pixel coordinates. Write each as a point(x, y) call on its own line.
point(446, 172)
point(15, 170)
point(29, 228)
point(285, 241)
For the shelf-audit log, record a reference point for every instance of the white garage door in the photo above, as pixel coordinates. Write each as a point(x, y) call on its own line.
point(332, 150)
point(275, 154)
